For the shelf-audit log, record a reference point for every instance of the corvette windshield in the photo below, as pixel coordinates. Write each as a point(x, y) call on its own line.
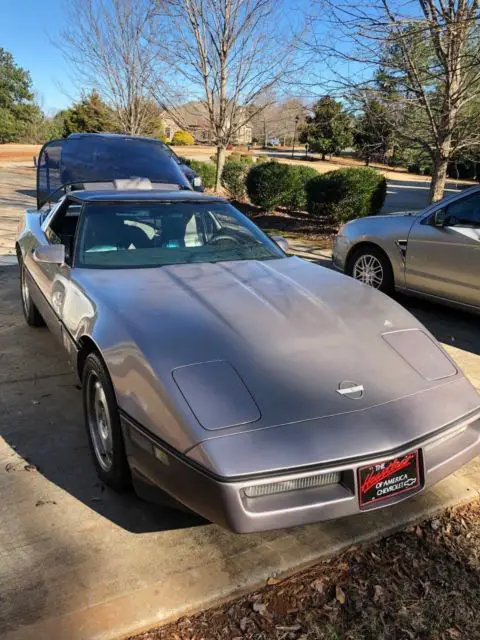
point(150, 234)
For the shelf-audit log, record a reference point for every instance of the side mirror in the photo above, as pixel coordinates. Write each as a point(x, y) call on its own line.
point(440, 218)
point(281, 241)
point(50, 254)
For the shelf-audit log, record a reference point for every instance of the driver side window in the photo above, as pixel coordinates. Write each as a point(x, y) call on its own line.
point(63, 227)
point(465, 212)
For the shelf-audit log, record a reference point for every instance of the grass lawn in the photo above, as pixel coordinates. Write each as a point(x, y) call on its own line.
point(421, 583)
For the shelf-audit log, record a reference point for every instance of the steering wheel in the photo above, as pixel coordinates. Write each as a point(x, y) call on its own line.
point(224, 238)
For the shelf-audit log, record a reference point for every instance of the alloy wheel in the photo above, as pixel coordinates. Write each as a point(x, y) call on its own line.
point(369, 270)
point(99, 422)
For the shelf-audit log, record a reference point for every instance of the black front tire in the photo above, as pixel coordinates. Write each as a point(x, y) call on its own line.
point(32, 315)
point(114, 472)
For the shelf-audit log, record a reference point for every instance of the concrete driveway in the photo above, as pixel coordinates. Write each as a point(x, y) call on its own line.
point(78, 561)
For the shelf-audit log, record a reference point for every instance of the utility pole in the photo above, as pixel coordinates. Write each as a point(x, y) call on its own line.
point(297, 118)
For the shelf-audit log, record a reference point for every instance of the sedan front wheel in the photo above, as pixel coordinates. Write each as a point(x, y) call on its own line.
point(371, 266)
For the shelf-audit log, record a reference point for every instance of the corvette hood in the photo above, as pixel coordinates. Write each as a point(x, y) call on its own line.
point(247, 345)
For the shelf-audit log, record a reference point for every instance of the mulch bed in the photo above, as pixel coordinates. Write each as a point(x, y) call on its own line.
point(297, 225)
point(421, 583)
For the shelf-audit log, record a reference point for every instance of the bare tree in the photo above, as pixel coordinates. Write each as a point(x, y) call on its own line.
point(224, 54)
point(426, 53)
point(107, 42)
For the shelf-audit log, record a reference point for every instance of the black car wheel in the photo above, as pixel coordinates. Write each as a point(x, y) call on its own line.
point(371, 266)
point(30, 311)
point(102, 422)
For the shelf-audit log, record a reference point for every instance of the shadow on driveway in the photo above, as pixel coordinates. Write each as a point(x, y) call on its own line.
point(41, 407)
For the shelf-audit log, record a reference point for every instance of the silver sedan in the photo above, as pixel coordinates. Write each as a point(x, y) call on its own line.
point(434, 253)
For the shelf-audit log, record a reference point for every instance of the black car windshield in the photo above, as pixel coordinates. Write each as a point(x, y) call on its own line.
point(155, 234)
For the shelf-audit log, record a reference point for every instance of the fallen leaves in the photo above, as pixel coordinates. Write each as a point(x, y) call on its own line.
point(340, 594)
point(418, 583)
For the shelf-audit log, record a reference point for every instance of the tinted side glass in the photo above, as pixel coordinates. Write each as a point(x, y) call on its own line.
point(466, 211)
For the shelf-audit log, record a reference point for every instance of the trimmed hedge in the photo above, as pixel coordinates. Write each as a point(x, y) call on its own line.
point(295, 197)
point(233, 178)
point(267, 184)
point(182, 137)
point(247, 158)
point(346, 194)
point(206, 170)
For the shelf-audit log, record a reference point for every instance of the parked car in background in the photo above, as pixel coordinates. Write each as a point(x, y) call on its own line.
point(192, 176)
point(433, 253)
point(256, 389)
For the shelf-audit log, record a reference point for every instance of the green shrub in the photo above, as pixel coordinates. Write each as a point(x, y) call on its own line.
point(267, 184)
point(233, 178)
point(246, 158)
point(346, 193)
point(295, 198)
point(414, 167)
point(205, 170)
point(182, 137)
point(261, 158)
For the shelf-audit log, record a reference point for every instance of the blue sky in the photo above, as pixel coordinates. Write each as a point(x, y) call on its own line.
point(27, 28)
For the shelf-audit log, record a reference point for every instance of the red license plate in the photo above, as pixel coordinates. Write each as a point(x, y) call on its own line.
point(386, 479)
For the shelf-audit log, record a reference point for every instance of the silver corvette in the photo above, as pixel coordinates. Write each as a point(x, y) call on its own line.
point(433, 253)
point(256, 389)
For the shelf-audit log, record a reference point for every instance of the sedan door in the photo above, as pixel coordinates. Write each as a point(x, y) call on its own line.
point(443, 252)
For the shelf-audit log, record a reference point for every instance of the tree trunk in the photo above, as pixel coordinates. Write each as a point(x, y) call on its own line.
point(439, 176)
point(219, 168)
point(324, 156)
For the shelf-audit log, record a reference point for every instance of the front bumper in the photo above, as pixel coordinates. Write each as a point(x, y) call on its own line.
point(225, 502)
point(340, 248)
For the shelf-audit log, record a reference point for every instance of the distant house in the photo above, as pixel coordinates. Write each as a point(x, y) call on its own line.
point(194, 118)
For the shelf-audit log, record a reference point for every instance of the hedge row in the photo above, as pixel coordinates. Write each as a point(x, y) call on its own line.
point(337, 196)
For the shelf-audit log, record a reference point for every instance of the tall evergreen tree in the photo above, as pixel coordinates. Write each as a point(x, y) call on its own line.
point(17, 106)
point(328, 130)
point(90, 115)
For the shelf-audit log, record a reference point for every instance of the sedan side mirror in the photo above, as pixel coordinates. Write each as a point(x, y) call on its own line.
point(440, 218)
point(281, 241)
point(50, 254)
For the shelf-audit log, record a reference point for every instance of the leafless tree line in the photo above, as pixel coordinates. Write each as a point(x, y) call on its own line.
point(421, 58)
point(223, 54)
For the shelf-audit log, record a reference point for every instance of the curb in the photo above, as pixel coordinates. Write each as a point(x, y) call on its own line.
point(200, 588)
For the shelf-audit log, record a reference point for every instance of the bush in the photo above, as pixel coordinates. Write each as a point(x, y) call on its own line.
point(414, 167)
point(246, 158)
point(346, 193)
point(182, 137)
point(295, 198)
point(261, 158)
point(205, 170)
point(233, 178)
point(267, 184)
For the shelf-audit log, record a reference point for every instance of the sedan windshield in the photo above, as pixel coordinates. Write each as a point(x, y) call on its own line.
point(149, 234)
